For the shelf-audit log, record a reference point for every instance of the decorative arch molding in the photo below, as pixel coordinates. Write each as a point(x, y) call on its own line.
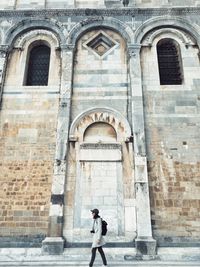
point(166, 22)
point(111, 23)
point(107, 115)
point(33, 35)
point(1, 35)
point(182, 36)
point(28, 25)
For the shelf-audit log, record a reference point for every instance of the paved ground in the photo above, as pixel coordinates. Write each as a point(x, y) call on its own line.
point(61, 263)
point(117, 257)
point(112, 264)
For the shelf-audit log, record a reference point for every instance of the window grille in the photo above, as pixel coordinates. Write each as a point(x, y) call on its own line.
point(38, 66)
point(169, 63)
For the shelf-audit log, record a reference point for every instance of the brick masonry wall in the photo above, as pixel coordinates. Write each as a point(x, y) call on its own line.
point(175, 200)
point(174, 178)
point(27, 147)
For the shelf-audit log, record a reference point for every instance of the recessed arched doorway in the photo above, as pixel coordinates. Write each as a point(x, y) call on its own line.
point(102, 161)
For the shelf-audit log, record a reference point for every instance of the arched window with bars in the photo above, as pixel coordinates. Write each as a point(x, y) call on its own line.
point(169, 62)
point(38, 66)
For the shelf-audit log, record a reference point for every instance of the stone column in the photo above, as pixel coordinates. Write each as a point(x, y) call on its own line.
point(3, 63)
point(145, 244)
point(54, 243)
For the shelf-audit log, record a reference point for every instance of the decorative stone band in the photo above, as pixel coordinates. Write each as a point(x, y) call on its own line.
point(100, 146)
point(136, 11)
point(92, 19)
point(100, 114)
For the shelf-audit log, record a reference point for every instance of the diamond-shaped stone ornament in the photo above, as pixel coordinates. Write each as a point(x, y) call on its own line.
point(101, 44)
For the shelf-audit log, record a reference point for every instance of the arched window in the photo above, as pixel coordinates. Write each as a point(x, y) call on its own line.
point(169, 62)
point(38, 65)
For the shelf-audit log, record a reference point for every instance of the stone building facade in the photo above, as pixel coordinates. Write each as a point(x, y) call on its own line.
point(93, 116)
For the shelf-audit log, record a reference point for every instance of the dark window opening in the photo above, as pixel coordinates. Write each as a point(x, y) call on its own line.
point(169, 62)
point(38, 66)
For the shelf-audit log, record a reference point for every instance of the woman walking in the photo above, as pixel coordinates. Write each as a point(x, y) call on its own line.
point(98, 240)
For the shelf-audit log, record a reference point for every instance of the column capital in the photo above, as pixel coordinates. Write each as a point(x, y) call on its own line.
point(67, 47)
point(134, 49)
point(4, 50)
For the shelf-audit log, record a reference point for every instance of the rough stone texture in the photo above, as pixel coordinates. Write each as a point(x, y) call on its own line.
point(39, 162)
point(53, 246)
point(175, 201)
point(145, 248)
point(27, 149)
point(173, 149)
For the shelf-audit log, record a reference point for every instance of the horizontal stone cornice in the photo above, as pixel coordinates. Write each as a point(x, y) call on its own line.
point(96, 146)
point(179, 11)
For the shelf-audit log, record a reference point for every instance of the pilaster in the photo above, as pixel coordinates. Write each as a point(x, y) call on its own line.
point(54, 243)
point(145, 244)
point(3, 63)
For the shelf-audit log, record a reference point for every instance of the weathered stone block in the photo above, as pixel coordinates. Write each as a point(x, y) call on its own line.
point(145, 247)
point(53, 245)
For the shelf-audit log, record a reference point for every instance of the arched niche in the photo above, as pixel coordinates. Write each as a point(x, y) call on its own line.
point(100, 132)
point(102, 161)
